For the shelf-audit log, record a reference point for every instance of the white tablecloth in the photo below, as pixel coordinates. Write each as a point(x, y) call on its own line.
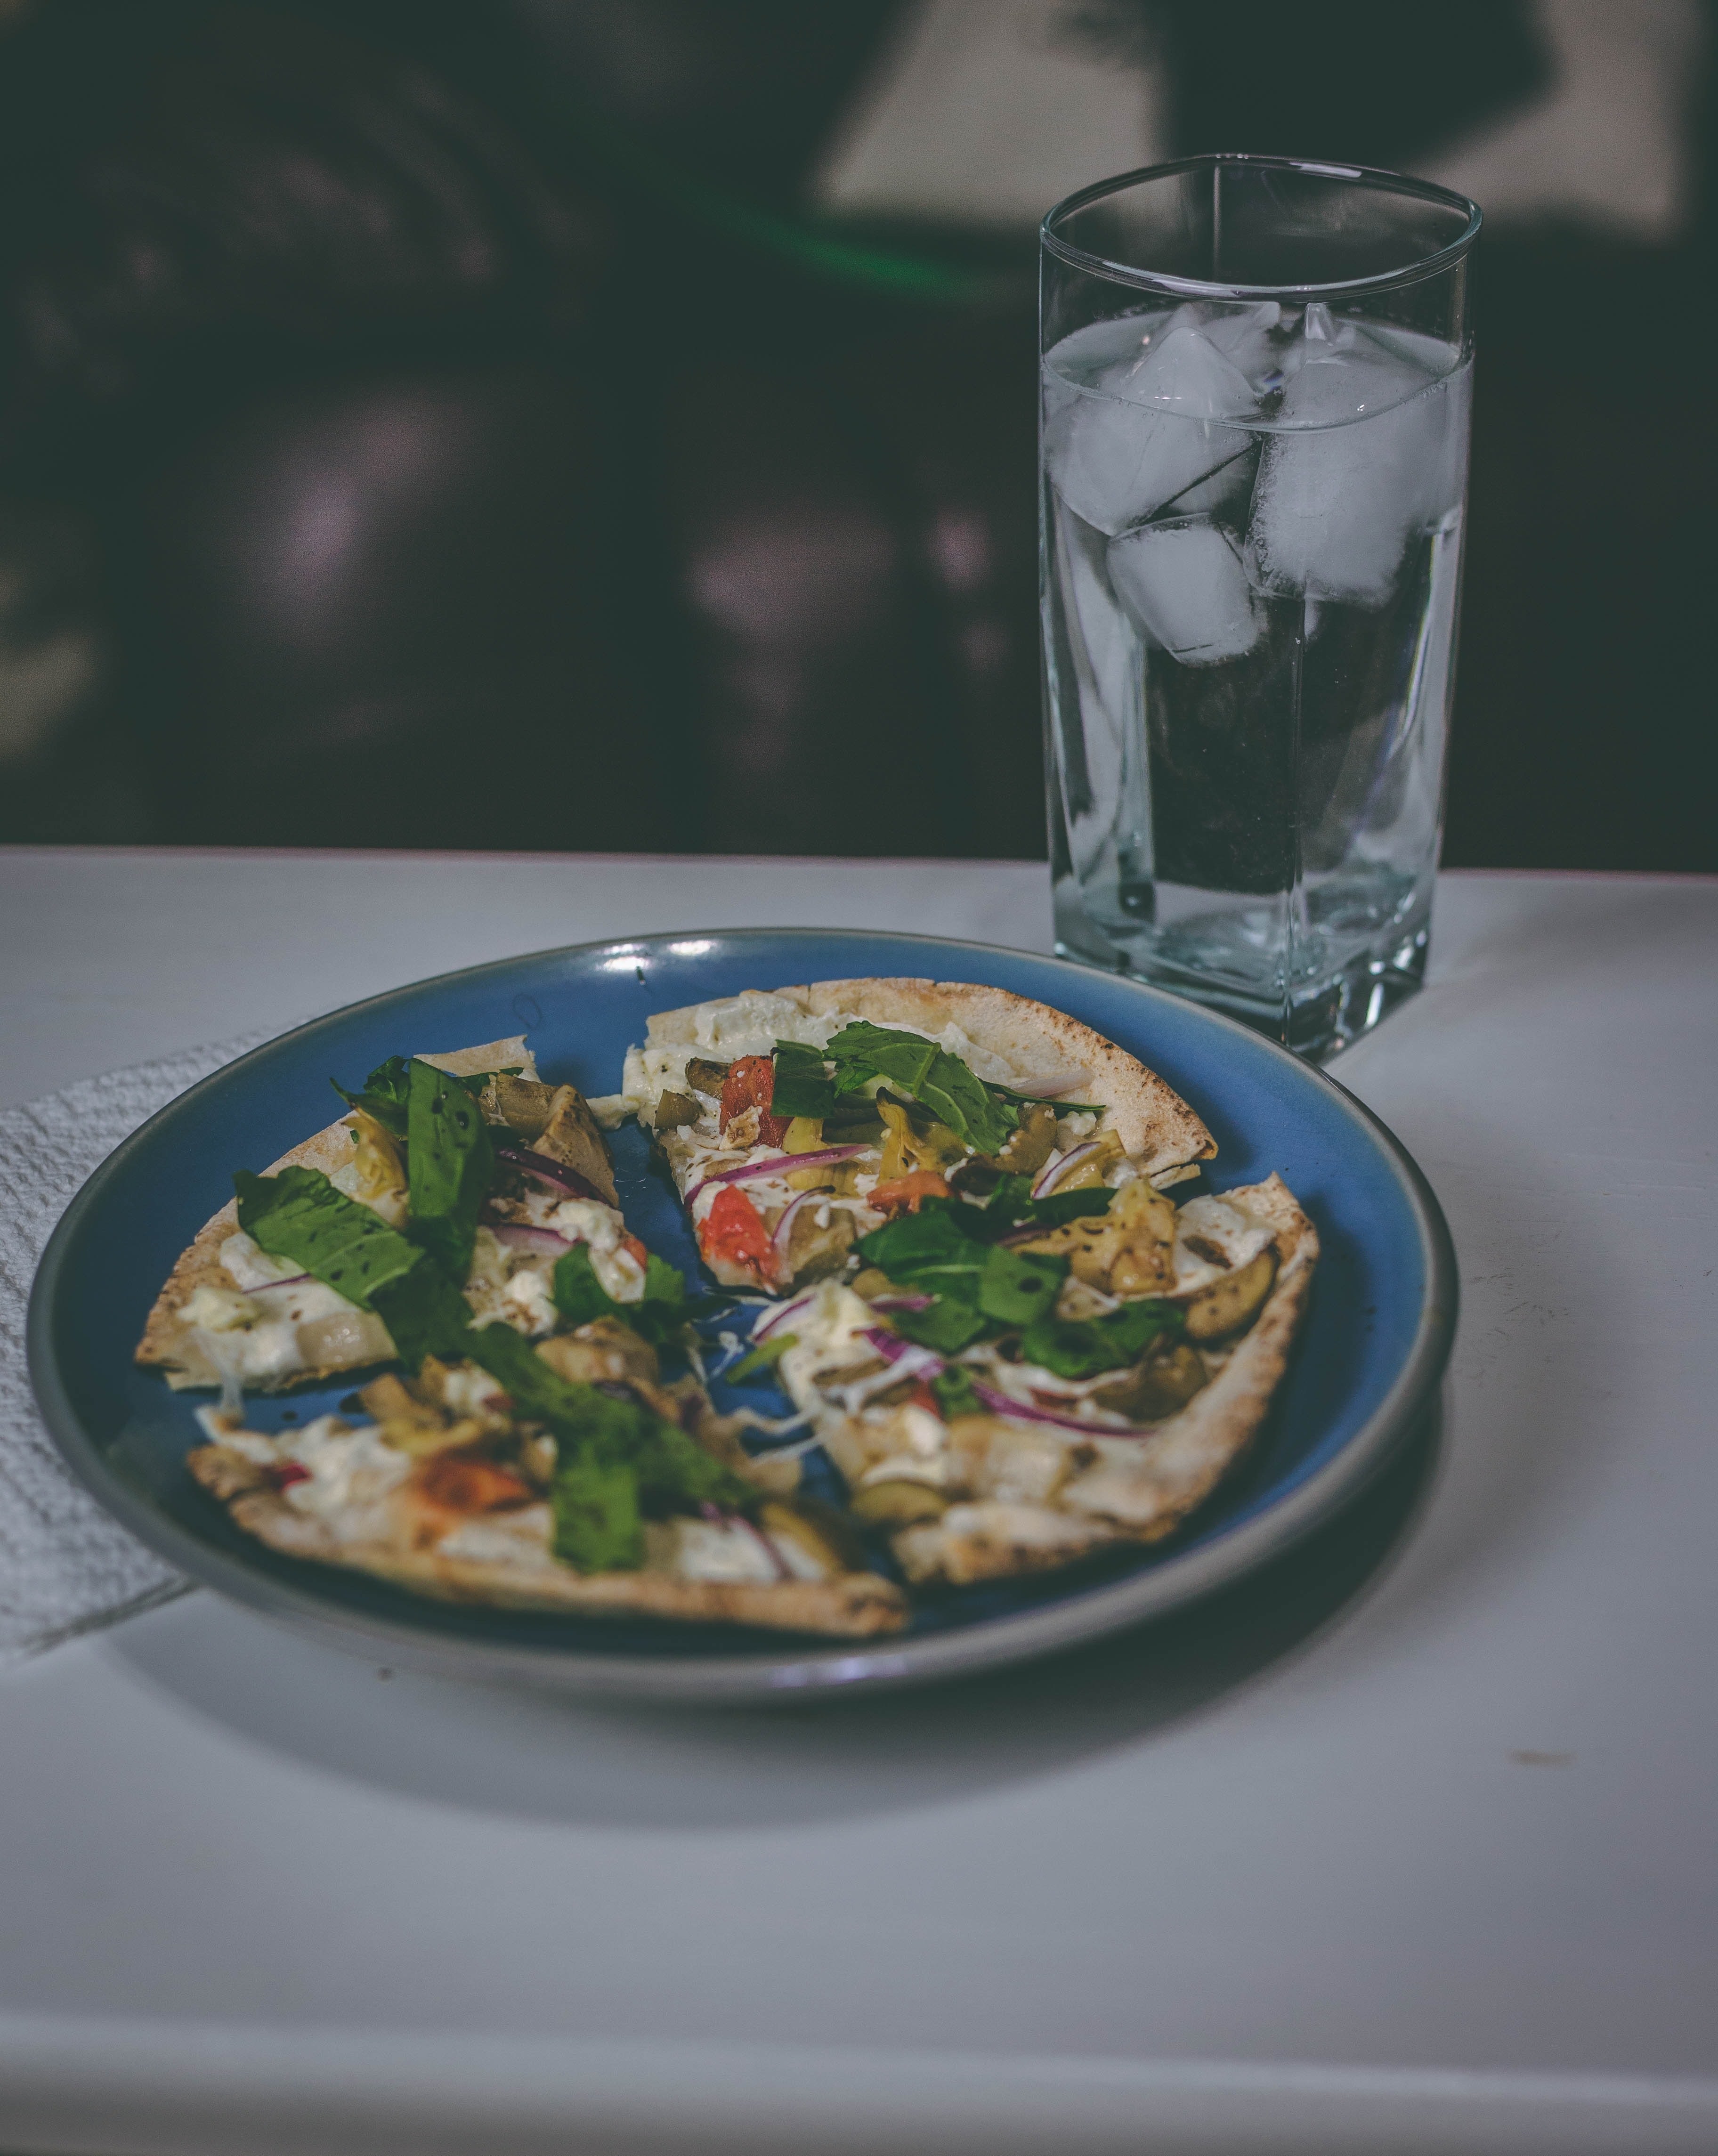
point(1414, 1851)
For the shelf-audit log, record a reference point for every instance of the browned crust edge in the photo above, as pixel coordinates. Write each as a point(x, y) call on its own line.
point(855, 1606)
point(1154, 1123)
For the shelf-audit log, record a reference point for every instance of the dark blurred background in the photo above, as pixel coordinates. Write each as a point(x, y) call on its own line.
point(610, 424)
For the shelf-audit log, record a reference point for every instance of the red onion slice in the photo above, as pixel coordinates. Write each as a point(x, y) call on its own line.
point(1017, 1411)
point(784, 1164)
point(520, 1237)
point(904, 1301)
point(292, 1279)
point(1054, 1169)
point(557, 1176)
point(780, 1317)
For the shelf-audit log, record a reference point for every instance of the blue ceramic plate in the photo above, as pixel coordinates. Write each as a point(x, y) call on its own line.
point(1372, 1352)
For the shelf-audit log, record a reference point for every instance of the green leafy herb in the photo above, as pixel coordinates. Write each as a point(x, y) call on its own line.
point(1011, 1204)
point(299, 1215)
point(450, 1165)
point(1018, 1286)
point(764, 1356)
point(954, 1395)
point(617, 1459)
point(658, 1316)
point(979, 1287)
point(1083, 1349)
point(931, 1249)
point(801, 1086)
point(385, 1094)
point(948, 1324)
point(425, 1314)
point(937, 1079)
point(595, 1502)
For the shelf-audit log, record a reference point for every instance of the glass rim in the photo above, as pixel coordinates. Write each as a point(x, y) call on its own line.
point(1200, 288)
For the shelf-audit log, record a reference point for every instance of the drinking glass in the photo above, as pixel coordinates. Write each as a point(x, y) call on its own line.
point(1256, 377)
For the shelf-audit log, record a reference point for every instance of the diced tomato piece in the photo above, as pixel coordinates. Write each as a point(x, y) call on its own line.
point(286, 1473)
point(921, 1396)
point(910, 1191)
point(750, 1083)
point(634, 1249)
point(733, 1230)
point(462, 1485)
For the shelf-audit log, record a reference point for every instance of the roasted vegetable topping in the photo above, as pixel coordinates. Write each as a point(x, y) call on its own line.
point(733, 1230)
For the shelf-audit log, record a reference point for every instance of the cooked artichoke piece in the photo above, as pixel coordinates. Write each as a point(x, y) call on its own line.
point(572, 1136)
point(1227, 1305)
point(674, 1109)
point(1153, 1390)
point(1033, 1143)
point(814, 1252)
point(1128, 1250)
point(604, 1352)
point(898, 1504)
point(706, 1077)
point(523, 1104)
point(820, 1532)
point(1090, 1173)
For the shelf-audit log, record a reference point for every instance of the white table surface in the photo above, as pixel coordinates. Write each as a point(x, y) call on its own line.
point(1416, 1850)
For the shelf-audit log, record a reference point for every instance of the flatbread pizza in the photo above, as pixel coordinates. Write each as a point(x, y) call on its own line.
point(1015, 1347)
point(460, 1224)
point(967, 1237)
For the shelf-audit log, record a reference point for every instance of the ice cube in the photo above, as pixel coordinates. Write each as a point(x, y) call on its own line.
point(1182, 581)
point(1145, 429)
point(1105, 647)
point(1367, 450)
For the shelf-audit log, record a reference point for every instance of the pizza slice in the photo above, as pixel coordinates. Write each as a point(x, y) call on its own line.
point(1004, 1397)
point(797, 1120)
point(460, 1222)
point(1017, 1350)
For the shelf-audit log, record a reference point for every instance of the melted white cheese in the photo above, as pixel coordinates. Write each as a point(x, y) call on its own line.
point(520, 1538)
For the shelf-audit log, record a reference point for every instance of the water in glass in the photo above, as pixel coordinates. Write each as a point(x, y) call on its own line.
point(1251, 540)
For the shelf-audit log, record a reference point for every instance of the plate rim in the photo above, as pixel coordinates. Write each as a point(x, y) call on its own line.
point(1176, 1582)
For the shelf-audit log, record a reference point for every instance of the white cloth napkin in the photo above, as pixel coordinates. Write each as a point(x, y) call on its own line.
point(65, 1567)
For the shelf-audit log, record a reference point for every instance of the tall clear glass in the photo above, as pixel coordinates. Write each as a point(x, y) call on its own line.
point(1256, 377)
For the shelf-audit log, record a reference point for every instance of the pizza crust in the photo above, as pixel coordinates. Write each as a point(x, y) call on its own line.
point(330, 1150)
point(1145, 1488)
point(853, 1605)
point(1156, 1126)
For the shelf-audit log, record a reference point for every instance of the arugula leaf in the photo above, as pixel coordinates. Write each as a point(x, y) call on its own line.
point(299, 1215)
point(425, 1314)
point(954, 1395)
point(1011, 1204)
point(1083, 1349)
point(449, 1163)
point(658, 1316)
point(595, 1502)
point(617, 1459)
point(764, 1356)
point(937, 1081)
point(1018, 1286)
point(948, 1324)
point(801, 1086)
point(979, 1287)
point(385, 1094)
